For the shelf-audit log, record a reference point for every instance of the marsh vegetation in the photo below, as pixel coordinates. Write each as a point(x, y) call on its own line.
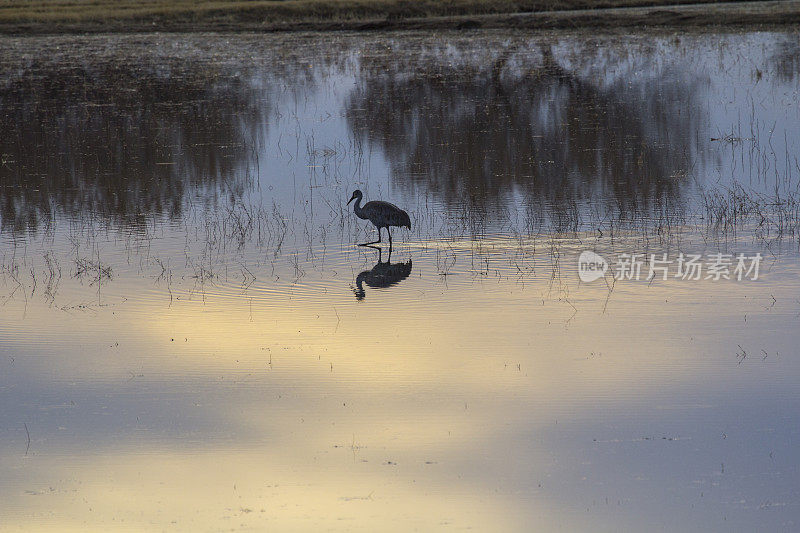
point(81, 16)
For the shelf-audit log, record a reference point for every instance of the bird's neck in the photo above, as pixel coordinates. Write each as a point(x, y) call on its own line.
point(357, 208)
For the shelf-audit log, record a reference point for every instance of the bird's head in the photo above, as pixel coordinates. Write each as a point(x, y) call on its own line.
point(356, 194)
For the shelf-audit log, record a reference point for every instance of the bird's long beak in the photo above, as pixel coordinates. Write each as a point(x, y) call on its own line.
point(350, 200)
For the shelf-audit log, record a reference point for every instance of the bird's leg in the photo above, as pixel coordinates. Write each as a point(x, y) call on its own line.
point(374, 242)
point(389, 231)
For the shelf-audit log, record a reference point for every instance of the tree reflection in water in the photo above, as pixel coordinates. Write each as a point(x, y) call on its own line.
point(552, 126)
point(122, 140)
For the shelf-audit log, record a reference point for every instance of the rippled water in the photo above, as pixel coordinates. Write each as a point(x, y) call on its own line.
point(191, 339)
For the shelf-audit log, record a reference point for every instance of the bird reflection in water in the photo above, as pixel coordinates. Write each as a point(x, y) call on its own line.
point(382, 274)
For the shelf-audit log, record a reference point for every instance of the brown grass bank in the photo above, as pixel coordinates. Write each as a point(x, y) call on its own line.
point(79, 16)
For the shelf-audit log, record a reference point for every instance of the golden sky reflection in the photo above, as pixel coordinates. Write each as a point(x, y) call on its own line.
point(339, 414)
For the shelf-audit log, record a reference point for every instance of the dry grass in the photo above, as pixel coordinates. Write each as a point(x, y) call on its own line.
point(93, 15)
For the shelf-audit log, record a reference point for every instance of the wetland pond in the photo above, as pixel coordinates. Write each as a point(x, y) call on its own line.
point(191, 339)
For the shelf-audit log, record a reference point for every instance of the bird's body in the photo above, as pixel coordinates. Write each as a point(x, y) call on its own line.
point(381, 214)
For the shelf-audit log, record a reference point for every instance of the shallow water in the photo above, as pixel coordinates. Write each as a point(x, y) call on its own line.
point(190, 338)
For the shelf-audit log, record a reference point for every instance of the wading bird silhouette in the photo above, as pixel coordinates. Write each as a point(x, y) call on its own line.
point(381, 214)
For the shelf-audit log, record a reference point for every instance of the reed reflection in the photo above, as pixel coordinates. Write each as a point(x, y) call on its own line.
point(553, 126)
point(785, 60)
point(382, 275)
point(121, 139)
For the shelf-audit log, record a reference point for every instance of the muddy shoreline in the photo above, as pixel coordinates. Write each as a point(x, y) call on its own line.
point(737, 14)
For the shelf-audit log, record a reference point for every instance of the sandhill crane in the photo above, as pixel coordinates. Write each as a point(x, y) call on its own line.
point(381, 214)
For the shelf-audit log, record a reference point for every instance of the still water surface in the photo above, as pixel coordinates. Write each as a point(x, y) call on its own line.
point(190, 339)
